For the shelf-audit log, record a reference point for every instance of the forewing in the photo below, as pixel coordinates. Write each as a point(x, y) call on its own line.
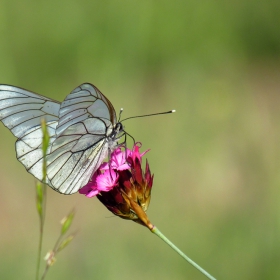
point(84, 102)
point(21, 111)
point(86, 117)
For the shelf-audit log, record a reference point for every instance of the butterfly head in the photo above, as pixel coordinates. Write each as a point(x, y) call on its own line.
point(117, 129)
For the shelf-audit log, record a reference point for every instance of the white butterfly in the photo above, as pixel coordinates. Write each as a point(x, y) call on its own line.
point(82, 129)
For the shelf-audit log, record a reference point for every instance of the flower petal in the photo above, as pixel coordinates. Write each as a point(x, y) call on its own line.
point(107, 180)
point(89, 189)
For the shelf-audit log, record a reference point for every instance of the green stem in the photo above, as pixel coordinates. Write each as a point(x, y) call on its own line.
point(42, 221)
point(166, 240)
point(39, 253)
point(45, 272)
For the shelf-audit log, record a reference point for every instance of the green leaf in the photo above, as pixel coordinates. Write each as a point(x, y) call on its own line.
point(45, 144)
point(65, 242)
point(67, 221)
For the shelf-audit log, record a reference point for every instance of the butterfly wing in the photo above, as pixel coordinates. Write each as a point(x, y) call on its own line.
point(86, 118)
point(78, 128)
point(21, 111)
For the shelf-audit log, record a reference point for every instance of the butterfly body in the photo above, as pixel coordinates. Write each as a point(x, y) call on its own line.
point(82, 129)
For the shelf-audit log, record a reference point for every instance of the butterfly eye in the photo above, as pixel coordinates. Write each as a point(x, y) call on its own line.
point(119, 126)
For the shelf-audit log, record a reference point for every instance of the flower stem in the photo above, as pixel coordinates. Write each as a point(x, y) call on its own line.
point(166, 240)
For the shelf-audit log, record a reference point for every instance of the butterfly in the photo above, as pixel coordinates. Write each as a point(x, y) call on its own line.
point(83, 129)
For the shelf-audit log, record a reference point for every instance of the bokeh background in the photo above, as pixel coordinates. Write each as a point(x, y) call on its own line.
point(216, 192)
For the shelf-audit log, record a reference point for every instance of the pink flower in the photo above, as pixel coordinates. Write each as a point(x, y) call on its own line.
point(122, 186)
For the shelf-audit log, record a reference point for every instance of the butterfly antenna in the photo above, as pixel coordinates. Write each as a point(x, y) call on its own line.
point(155, 114)
point(120, 113)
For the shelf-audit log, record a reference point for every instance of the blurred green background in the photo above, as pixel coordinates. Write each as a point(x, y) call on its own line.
point(216, 192)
